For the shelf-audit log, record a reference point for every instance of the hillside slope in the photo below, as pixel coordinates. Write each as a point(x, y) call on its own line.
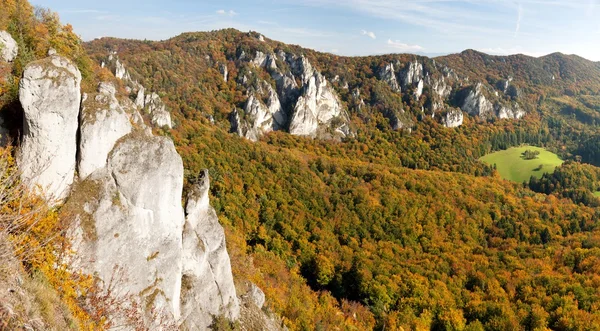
point(395, 214)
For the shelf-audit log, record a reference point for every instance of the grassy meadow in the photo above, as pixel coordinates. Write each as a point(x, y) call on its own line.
point(512, 164)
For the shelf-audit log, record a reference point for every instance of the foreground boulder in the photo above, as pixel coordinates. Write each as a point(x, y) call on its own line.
point(131, 221)
point(50, 95)
point(207, 286)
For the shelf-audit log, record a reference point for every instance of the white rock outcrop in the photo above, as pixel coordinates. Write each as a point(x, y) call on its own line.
point(224, 71)
point(151, 102)
point(256, 295)
point(311, 109)
point(50, 95)
point(476, 104)
point(286, 87)
point(208, 288)
point(318, 105)
point(103, 121)
point(388, 75)
point(412, 74)
point(132, 222)
point(419, 89)
point(259, 118)
point(120, 71)
point(157, 110)
point(8, 47)
point(440, 87)
point(453, 118)
point(514, 112)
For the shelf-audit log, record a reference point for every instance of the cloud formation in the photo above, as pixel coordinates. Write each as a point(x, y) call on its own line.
point(229, 13)
point(402, 47)
point(370, 34)
point(519, 18)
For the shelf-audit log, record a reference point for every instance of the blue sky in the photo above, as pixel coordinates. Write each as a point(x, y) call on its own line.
point(357, 27)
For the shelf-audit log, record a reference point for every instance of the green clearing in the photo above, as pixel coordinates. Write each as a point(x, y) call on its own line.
point(597, 193)
point(513, 166)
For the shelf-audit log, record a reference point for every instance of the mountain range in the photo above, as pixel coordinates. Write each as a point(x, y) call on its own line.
point(344, 192)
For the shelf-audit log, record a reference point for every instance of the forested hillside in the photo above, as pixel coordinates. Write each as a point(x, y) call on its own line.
point(393, 225)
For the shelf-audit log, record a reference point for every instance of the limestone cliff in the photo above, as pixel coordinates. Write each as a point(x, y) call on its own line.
point(207, 288)
point(132, 221)
point(128, 228)
point(103, 121)
point(311, 108)
point(50, 95)
point(476, 103)
point(149, 102)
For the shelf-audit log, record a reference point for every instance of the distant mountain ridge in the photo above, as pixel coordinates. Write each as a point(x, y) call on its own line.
point(270, 78)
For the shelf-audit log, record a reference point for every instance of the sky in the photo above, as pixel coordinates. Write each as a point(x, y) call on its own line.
point(356, 27)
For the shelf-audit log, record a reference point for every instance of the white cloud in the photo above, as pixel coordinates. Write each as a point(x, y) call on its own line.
point(370, 34)
point(511, 51)
point(229, 13)
point(402, 47)
point(335, 50)
point(519, 18)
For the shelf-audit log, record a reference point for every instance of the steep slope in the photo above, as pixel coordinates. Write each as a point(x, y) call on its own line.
point(116, 248)
point(262, 85)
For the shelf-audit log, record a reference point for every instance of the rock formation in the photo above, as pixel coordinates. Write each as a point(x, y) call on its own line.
point(514, 112)
point(453, 118)
point(256, 295)
point(150, 102)
point(388, 75)
point(259, 118)
point(312, 109)
point(157, 110)
point(103, 121)
point(208, 288)
point(476, 104)
point(133, 221)
point(412, 74)
point(50, 95)
point(8, 47)
point(129, 229)
point(316, 106)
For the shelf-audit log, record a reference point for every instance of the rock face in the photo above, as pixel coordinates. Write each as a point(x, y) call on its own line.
point(476, 104)
point(157, 110)
point(133, 221)
point(259, 118)
point(388, 75)
point(453, 118)
point(223, 70)
point(307, 110)
point(256, 295)
point(103, 121)
point(50, 95)
point(317, 105)
point(151, 102)
point(514, 112)
point(8, 47)
point(412, 74)
point(208, 288)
